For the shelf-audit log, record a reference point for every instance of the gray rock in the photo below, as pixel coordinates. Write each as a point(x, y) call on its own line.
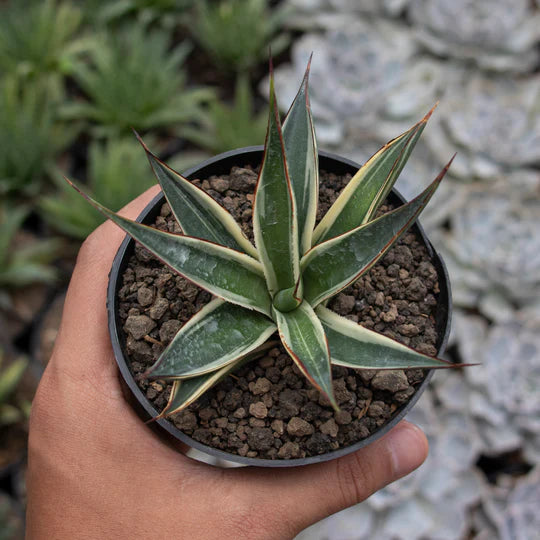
point(168, 330)
point(220, 184)
point(159, 308)
point(289, 450)
point(139, 326)
point(330, 428)
point(297, 427)
point(390, 380)
point(258, 410)
point(260, 386)
point(260, 438)
point(344, 303)
point(145, 296)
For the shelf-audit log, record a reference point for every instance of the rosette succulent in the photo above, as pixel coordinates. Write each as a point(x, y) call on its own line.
point(282, 283)
point(497, 35)
point(502, 398)
point(494, 122)
point(368, 78)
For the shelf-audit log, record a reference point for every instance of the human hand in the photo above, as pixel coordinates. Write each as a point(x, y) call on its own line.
point(95, 470)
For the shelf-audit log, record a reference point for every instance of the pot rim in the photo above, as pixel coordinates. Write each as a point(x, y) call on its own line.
point(204, 169)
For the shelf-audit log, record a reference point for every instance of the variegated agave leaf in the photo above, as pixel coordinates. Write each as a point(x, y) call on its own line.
point(185, 391)
point(302, 162)
point(332, 266)
point(353, 346)
point(370, 186)
point(280, 283)
point(275, 224)
point(196, 212)
point(216, 336)
point(231, 275)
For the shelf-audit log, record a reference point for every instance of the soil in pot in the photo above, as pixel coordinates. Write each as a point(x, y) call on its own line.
point(267, 409)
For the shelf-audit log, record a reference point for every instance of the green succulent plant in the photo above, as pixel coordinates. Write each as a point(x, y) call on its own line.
point(41, 39)
point(166, 12)
point(22, 265)
point(282, 283)
point(10, 377)
point(225, 127)
point(31, 137)
point(236, 34)
point(134, 81)
point(109, 165)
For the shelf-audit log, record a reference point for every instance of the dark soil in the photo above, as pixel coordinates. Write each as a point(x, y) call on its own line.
point(267, 409)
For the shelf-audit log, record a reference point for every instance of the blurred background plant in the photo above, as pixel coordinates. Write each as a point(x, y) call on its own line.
point(41, 40)
point(76, 76)
point(167, 13)
point(117, 172)
point(31, 137)
point(225, 127)
point(133, 80)
point(237, 35)
point(10, 377)
point(23, 258)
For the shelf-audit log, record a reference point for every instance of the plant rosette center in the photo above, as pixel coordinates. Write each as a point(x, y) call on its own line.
point(288, 299)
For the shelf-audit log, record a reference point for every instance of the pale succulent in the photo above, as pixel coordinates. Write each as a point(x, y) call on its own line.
point(502, 398)
point(498, 35)
point(282, 284)
point(368, 78)
point(493, 122)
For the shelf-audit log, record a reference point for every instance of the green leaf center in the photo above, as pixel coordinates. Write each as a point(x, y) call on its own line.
point(288, 299)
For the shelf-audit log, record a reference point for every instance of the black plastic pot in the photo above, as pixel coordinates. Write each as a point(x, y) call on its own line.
point(220, 165)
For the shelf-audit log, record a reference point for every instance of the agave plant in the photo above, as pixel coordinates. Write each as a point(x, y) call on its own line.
point(166, 12)
point(282, 284)
point(31, 138)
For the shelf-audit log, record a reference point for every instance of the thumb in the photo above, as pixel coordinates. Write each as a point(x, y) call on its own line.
point(305, 495)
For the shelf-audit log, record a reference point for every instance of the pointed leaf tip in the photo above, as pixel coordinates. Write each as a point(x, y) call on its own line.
point(140, 139)
point(430, 112)
point(308, 69)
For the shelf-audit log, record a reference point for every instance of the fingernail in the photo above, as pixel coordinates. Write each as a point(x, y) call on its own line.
point(408, 448)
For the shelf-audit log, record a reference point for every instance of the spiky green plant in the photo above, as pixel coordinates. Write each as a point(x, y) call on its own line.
point(109, 165)
point(41, 39)
point(166, 12)
point(30, 136)
point(236, 34)
point(133, 80)
point(22, 265)
point(10, 377)
point(225, 127)
point(282, 284)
